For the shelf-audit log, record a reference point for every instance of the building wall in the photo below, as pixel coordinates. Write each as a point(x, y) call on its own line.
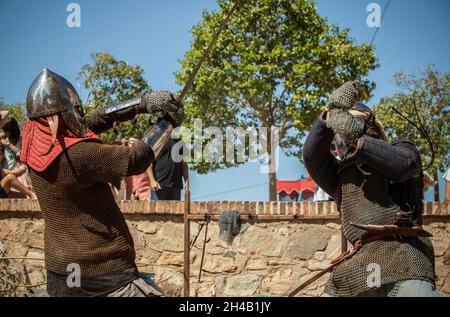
point(279, 246)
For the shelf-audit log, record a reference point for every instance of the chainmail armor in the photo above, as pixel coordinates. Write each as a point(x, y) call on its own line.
point(365, 199)
point(343, 122)
point(343, 97)
point(164, 105)
point(83, 223)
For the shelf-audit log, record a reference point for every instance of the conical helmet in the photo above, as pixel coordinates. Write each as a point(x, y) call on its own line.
point(51, 94)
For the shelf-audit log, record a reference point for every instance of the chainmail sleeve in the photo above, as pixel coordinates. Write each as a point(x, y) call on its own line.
point(398, 162)
point(102, 162)
point(109, 163)
point(319, 162)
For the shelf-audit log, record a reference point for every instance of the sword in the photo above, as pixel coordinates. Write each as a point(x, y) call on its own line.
point(187, 198)
point(206, 52)
point(137, 100)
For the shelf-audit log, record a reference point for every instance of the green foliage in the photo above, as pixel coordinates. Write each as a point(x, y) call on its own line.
point(429, 90)
point(15, 110)
point(110, 81)
point(274, 65)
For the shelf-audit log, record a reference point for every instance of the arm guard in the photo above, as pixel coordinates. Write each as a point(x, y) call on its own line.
point(134, 102)
point(103, 119)
point(157, 136)
point(161, 104)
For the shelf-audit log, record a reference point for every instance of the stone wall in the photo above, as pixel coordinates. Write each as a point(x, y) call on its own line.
point(280, 246)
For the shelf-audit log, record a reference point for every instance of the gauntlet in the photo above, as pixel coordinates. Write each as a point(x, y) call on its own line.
point(163, 105)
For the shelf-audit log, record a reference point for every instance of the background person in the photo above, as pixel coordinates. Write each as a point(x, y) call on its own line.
point(9, 180)
point(166, 175)
point(138, 185)
point(447, 186)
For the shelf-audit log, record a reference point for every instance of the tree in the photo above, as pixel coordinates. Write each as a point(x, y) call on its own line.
point(110, 81)
point(15, 110)
point(274, 65)
point(429, 91)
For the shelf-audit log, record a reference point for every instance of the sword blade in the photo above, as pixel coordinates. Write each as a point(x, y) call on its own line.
point(202, 60)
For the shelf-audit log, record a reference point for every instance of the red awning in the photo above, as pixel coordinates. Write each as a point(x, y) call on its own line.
point(298, 186)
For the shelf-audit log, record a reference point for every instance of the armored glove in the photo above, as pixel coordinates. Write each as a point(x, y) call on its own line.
point(345, 124)
point(343, 97)
point(339, 119)
point(163, 105)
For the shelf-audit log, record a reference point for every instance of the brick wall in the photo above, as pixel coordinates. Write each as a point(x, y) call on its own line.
point(257, 209)
point(280, 245)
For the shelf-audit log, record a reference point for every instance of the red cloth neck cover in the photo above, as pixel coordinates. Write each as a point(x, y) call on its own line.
point(36, 140)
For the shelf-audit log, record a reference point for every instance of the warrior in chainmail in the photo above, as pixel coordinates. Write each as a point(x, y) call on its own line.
point(89, 250)
point(378, 190)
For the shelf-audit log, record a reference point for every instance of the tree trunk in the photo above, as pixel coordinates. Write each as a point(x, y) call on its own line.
point(272, 186)
point(436, 186)
point(272, 172)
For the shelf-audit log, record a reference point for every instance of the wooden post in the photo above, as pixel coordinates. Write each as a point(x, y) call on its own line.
point(204, 248)
point(187, 238)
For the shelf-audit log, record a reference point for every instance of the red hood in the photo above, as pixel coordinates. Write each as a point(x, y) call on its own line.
point(36, 140)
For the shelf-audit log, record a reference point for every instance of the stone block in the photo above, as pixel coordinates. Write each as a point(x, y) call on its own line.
point(262, 242)
point(302, 245)
point(170, 258)
point(219, 264)
point(242, 285)
point(147, 227)
point(256, 264)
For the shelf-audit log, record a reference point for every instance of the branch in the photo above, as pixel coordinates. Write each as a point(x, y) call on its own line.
point(283, 128)
point(282, 94)
point(258, 112)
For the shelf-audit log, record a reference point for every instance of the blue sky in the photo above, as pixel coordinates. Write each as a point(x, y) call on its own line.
point(156, 34)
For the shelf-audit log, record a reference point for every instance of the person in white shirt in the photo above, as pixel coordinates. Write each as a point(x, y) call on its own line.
point(447, 185)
